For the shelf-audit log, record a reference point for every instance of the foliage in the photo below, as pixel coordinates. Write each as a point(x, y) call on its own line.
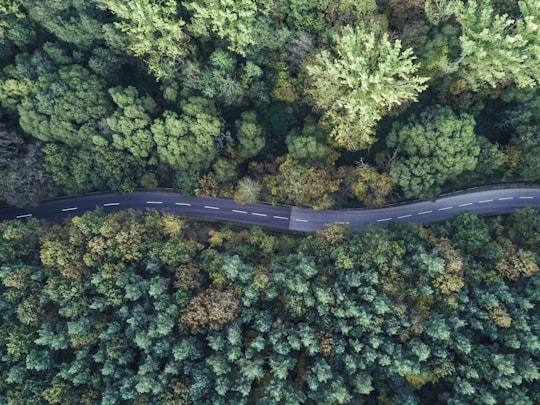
point(300, 185)
point(431, 149)
point(361, 79)
point(496, 50)
point(187, 142)
point(154, 32)
point(130, 307)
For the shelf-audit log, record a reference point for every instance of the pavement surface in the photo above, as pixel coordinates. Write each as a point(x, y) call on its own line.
point(279, 217)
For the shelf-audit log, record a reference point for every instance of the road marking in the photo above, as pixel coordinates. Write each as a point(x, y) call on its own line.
point(23, 216)
point(154, 202)
point(211, 207)
point(69, 209)
point(278, 217)
point(506, 198)
point(445, 208)
point(186, 204)
point(424, 212)
point(343, 223)
point(405, 216)
point(259, 215)
point(464, 205)
point(300, 220)
point(384, 219)
point(484, 201)
point(526, 198)
point(240, 212)
point(110, 204)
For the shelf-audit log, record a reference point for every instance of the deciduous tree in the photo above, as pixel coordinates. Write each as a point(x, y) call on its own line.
point(357, 82)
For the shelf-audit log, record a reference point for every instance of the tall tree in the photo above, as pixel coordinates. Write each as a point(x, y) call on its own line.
point(496, 50)
point(188, 141)
point(359, 80)
point(432, 148)
point(154, 32)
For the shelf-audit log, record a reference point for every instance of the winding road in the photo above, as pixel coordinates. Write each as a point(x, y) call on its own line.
point(287, 218)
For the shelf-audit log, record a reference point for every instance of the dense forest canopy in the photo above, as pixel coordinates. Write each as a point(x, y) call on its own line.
point(323, 104)
point(154, 309)
point(308, 103)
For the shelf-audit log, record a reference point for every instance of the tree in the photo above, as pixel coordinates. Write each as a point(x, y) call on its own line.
point(249, 135)
point(301, 185)
point(361, 79)
point(496, 50)
point(237, 22)
point(130, 123)
point(371, 186)
point(432, 148)
point(247, 191)
point(308, 145)
point(211, 308)
point(65, 106)
point(77, 23)
point(23, 180)
point(188, 142)
point(218, 80)
point(154, 32)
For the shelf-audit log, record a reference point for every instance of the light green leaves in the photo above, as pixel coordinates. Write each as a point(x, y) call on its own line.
point(188, 142)
point(496, 50)
point(357, 83)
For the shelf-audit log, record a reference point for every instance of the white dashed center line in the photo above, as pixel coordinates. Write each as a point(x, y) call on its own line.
point(384, 219)
point(110, 204)
point(211, 207)
point(506, 198)
point(278, 217)
point(69, 209)
point(186, 204)
point(424, 212)
point(405, 216)
point(154, 202)
point(484, 201)
point(343, 223)
point(445, 208)
point(465, 205)
point(526, 198)
point(301, 220)
point(23, 216)
point(259, 215)
point(239, 212)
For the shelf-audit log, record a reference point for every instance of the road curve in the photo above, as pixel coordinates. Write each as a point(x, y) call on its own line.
point(279, 217)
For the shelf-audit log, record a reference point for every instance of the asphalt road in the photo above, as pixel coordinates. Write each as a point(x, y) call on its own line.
point(279, 217)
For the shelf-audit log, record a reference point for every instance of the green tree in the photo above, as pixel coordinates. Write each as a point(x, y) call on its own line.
point(188, 142)
point(65, 106)
point(308, 145)
point(130, 123)
point(431, 149)
point(249, 135)
point(77, 23)
point(237, 22)
point(496, 50)
point(154, 32)
point(356, 83)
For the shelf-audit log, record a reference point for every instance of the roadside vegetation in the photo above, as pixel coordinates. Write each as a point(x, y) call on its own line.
point(155, 309)
point(321, 104)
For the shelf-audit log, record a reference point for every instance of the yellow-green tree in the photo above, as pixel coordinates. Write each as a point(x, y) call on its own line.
point(358, 80)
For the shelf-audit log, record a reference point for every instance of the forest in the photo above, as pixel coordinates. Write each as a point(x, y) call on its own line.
point(321, 104)
point(149, 308)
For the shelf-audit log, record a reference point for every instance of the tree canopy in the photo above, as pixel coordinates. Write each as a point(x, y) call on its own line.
point(361, 77)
